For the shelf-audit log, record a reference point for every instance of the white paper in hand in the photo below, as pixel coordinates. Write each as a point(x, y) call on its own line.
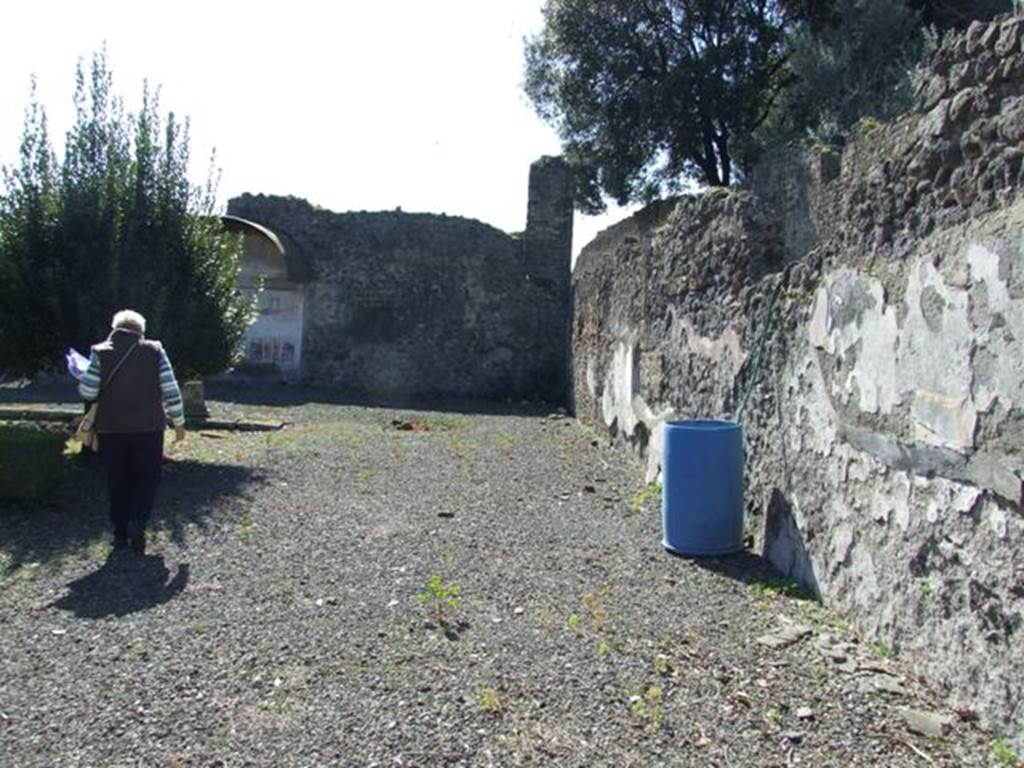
point(77, 363)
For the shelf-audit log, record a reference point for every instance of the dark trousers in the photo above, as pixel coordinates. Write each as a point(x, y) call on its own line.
point(134, 462)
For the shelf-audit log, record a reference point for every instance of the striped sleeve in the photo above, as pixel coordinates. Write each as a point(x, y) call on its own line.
point(170, 392)
point(89, 386)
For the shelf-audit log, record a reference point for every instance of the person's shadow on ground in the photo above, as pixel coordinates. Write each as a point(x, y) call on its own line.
point(124, 584)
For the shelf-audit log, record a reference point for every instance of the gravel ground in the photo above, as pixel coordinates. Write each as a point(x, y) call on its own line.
point(275, 620)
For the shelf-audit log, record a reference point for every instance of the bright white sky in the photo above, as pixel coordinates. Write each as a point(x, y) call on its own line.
point(351, 104)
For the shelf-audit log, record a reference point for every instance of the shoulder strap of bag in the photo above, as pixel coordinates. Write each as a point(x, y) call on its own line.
point(117, 367)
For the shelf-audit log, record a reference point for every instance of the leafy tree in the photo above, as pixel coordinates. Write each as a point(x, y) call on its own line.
point(117, 224)
point(854, 58)
point(29, 246)
point(648, 93)
point(852, 64)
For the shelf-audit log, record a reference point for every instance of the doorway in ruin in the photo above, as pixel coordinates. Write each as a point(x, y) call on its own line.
point(273, 343)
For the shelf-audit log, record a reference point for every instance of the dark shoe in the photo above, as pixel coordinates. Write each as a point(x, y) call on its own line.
point(138, 542)
point(120, 540)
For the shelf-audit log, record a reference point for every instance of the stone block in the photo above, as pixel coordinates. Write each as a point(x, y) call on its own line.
point(990, 472)
point(934, 725)
point(1009, 40)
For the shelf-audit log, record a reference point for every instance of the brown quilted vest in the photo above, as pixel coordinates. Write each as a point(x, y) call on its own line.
point(132, 402)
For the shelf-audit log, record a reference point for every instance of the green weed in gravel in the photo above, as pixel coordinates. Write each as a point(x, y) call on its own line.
point(645, 705)
point(440, 600)
point(648, 494)
point(885, 650)
point(247, 528)
point(784, 587)
point(457, 445)
point(573, 622)
point(365, 480)
point(1003, 756)
point(490, 700)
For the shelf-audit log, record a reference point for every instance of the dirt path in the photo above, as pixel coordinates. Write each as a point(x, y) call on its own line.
point(277, 619)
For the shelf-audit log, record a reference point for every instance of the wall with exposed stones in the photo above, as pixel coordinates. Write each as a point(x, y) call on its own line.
point(863, 316)
point(418, 305)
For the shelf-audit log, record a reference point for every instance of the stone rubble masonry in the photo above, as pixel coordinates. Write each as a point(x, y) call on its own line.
point(862, 313)
point(403, 305)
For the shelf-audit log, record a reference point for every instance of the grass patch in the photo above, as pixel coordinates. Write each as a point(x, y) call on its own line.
point(784, 587)
point(1003, 756)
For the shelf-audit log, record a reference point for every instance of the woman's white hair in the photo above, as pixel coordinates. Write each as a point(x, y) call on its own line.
point(129, 320)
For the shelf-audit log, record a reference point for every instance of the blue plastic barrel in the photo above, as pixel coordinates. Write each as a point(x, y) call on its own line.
point(702, 487)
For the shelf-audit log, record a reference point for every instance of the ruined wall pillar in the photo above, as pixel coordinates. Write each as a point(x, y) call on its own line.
point(547, 263)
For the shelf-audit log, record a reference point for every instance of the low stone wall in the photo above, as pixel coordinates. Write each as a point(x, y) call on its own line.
point(864, 318)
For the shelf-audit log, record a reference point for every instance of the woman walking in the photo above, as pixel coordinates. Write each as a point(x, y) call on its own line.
point(132, 378)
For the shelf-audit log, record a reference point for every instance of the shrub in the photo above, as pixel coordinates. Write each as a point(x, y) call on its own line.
point(33, 464)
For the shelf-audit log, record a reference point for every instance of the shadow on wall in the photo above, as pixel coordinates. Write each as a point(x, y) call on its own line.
point(784, 544)
point(187, 496)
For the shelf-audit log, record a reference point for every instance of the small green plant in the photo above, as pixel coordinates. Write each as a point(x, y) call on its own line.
point(646, 706)
point(438, 598)
point(772, 716)
point(247, 528)
point(662, 664)
point(839, 624)
point(1003, 756)
point(924, 585)
point(504, 440)
point(784, 587)
point(490, 700)
point(604, 648)
point(869, 124)
point(650, 492)
point(885, 650)
point(457, 445)
point(592, 602)
point(574, 622)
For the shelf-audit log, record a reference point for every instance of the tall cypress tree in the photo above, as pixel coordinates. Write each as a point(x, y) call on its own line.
point(117, 224)
point(31, 268)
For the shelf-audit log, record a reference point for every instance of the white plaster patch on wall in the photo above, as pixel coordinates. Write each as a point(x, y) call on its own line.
point(943, 420)
point(999, 359)
point(592, 378)
point(620, 386)
point(840, 546)
point(934, 359)
point(714, 349)
point(891, 500)
point(851, 320)
point(939, 498)
point(275, 338)
point(997, 518)
point(862, 575)
point(657, 446)
point(622, 404)
point(816, 427)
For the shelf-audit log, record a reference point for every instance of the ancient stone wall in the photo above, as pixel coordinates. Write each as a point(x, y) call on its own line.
point(419, 305)
point(864, 318)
